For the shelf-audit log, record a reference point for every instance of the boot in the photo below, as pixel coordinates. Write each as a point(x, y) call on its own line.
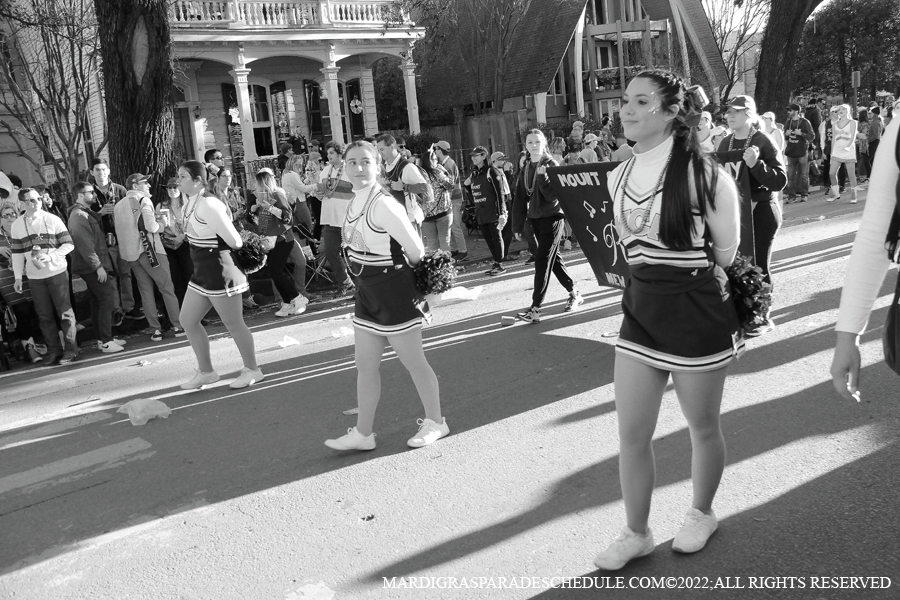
point(853, 198)
point(833, 194)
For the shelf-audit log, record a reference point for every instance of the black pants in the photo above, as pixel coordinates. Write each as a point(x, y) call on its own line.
point(181, 268)
point(549, 234)
point(492, 236)
point(276, 263)
point(766, 222)
point(873, 146)
point(826, 171)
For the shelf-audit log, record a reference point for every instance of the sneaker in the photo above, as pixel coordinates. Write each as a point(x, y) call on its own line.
point(790, 199)
point(286, 310)
point(497, 269)
point(249, 302)
point(531, 260)
point(628, 546)
point(298, 305)
point(804, 198)
point(156, 336)
point(429, 432)
point(763, 329)
point(575, 300)
point(567, 245)
point(696, 529)
point(51, 359)
point(119, 342)
point(532, 315)
point(135, 314)
point(118, 315)
point(40, 349)
point(178, 331)
point(33, 356)
point(110, 347)
point(247, 378)
point(462, 256)
point(354, 440)
point(68, 357)
point(345, 290)
point(199, 380)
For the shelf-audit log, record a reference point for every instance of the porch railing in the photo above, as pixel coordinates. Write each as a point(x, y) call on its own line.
point(286, 13)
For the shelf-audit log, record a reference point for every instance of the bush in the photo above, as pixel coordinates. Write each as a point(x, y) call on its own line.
point(417, 143)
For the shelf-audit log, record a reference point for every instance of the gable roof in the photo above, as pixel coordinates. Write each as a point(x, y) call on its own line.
point(537, 50)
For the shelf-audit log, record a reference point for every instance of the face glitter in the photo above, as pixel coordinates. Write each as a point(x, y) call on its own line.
point(656, 104)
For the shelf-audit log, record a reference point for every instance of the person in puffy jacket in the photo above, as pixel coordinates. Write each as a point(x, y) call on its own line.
point(534, 200)
point(485, 184)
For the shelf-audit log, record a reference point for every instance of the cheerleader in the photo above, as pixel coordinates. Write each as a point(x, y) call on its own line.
point(376, 234)
point(678, 319)
point(216, 282)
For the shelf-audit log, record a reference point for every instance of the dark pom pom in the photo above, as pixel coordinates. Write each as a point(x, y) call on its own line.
point(435, 273)
point(251, 256)
point(751, 293)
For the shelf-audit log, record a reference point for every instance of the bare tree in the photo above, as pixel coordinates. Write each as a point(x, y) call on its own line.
point(50, 56)
point(479, 32)
point(737, 27)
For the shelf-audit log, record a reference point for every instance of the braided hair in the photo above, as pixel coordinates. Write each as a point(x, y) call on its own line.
point(676, 216)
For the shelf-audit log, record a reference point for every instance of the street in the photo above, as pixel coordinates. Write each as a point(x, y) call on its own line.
point(235, 495)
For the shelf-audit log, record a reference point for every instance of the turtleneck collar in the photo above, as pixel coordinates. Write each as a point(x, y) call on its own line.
point(657, 155)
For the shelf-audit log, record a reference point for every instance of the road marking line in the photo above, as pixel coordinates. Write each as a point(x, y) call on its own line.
point(35, 435)
point(106, 457)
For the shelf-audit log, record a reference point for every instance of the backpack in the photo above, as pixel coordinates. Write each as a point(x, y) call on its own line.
point(427, 197)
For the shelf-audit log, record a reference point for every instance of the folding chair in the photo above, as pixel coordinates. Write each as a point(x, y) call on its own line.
point(317, 266)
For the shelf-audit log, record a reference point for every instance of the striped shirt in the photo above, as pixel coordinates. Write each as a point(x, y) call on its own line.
point(47, 233)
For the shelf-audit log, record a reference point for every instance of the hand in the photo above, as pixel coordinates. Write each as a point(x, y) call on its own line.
point(845, 366)
point(518, 237)
point(468, 180)
point(45, 258)
point(17, 286)
point(397, 186)
point(6, 252)
point(541, 170)
point(107, 209)
point(501, 222)
point(751, 155)
point(231, 275)
point(101, 275)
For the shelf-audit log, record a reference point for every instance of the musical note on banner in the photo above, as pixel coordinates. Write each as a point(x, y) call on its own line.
point(591, 211)
point(592, 233)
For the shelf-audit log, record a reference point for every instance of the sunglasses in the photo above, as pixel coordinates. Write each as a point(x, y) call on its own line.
point(9, 216)
point(218, 157)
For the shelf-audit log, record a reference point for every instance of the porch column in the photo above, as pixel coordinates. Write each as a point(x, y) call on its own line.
point(578, 49)
point(240, 75)
point(412, 103)
point(334, 102)
point(198, 124)
point(540, 107)
point(370, 111)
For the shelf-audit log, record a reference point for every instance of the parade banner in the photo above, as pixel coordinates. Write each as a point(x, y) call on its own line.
point(582, 191)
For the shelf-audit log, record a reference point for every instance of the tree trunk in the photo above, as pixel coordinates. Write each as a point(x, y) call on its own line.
point(778, 54)
point(137, 71)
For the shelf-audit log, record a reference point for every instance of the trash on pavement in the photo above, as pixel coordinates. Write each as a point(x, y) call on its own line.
point(506, 321)
point(312, 591)
point(141, 411)
point(460, 292)
point(141, 363)
point(288, 341)
point(351, 411)
point(342, 332)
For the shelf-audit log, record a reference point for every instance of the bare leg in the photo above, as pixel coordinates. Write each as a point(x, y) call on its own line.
point(411, 353)
point(231, 311)
point(369, 350)
point(193, 309)
point(639, 389)
point(700, 396)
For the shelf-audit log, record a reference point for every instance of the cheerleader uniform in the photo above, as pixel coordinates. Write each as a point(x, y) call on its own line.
point(676, 318)
point(387, 300)
point(210, 255)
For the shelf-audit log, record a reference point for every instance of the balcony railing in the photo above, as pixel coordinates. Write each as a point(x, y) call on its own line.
point(287, 13)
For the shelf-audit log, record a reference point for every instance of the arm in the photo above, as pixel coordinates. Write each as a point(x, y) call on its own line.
point(768, 170)
point(413, 180)
point(495, 176)
point(391, 216)
point(62, 235)
point(150, 223)
point(83, 237)
point(724, 222)
point(806, 131)
point(215, 213)
point(520, 205)
point(543, 181)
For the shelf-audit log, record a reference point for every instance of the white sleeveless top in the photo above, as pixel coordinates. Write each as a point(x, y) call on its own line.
point(366, 243)
point(842, 135)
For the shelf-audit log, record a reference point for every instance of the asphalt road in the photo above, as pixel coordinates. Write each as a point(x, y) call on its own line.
point(235, 496)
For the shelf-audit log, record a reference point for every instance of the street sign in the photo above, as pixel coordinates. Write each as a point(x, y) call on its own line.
point(855, 78)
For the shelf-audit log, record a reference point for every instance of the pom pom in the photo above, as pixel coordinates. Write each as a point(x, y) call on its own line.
point(251, 256)
point(751, 293)
point(435, 273)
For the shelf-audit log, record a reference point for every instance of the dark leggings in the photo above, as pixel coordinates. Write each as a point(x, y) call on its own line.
point(491, 235)
point(873, 147)
point(181, 268)
point(766, 221)
point(549, 234)
point(277, 266)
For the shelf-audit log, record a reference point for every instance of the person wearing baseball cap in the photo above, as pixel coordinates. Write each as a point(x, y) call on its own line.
point(459, 250)
point(799, 134)
point(589, 152)
point(489, 191)
point(141, 247)
point(501, 162)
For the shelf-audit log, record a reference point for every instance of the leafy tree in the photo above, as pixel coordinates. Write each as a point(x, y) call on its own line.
point(136, 45)
point(848, 35)
point(736, 27)
point(390, 97)
point(48, 59)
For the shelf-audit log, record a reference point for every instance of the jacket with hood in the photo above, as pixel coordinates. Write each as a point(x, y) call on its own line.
point(541, 203)
point(486, 187)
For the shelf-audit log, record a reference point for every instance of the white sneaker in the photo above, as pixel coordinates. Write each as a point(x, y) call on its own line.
point(354, 440)
point(247, 378)
point(629, 545)
point(110, 347)
point(199, 380)
point(286, 310)
point(695, 531)
point(429, 432)
point(298, 304)
point(119, 342)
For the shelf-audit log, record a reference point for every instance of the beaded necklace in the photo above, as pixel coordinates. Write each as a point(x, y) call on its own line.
point(188, 210)
point(37, 231)
point(534, 177)
point(331, 183)
point(646, 216)
point(746, 142)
